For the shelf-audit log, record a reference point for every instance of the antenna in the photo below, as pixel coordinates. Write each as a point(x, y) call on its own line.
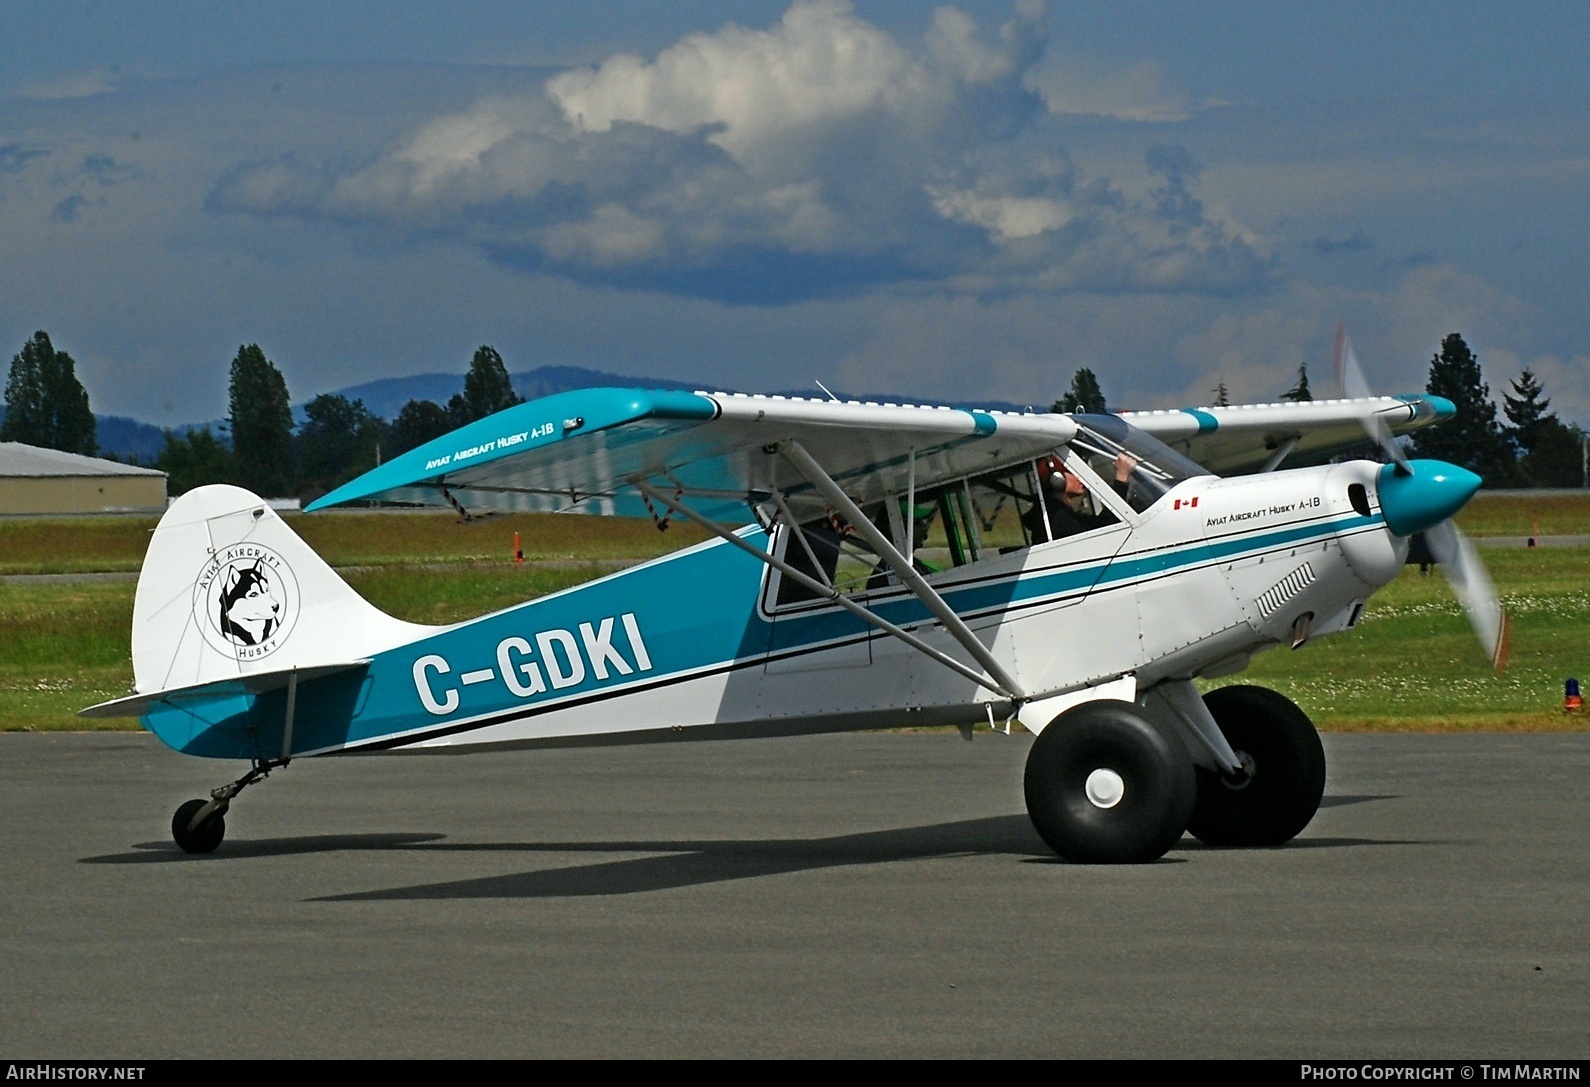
point(827, 390)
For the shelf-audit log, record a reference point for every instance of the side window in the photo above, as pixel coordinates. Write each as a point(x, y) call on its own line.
point(1069, 501)
point(946, 530)
point(1008, 513)
point(844, 560)
point(1141, 468)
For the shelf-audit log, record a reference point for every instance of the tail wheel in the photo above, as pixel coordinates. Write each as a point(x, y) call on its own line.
point(202, 838)
point(1283, 775)
point(1105, 787)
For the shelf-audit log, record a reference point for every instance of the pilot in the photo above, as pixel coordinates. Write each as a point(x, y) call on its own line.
point(1066, 497)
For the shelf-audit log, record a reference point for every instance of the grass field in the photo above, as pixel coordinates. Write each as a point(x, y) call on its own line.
point(1412, 665)
point(63, 647)
point(82, 544)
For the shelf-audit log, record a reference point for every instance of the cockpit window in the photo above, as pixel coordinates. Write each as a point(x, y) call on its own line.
point(844, 559)
point(1103, 438)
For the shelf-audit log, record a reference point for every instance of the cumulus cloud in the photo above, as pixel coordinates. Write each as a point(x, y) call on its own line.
point(69, 209)
point(1139, 92)
point(1353, 243)
point(15, 156)
point(808, 158)
point(71, 85)
point(274, 186)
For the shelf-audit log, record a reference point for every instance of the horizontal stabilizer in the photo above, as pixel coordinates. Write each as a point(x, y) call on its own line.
point(254, 683)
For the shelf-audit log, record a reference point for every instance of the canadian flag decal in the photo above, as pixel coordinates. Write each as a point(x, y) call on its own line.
point(1191, 503)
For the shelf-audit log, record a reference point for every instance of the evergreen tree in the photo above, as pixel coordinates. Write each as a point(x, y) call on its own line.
point(193, 460)
point(1083, 396)
point(487, 388)
point(419, 421)
point(1472, 438)
point(338, 441)
point(45, 403)
point(262, 424)
point(1299, 393)
point(1557, 458)
point(1526, 411)
point(1222, 397)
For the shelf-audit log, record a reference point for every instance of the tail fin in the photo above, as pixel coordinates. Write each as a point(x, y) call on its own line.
point(227, 590)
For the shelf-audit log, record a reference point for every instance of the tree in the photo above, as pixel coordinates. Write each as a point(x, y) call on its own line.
point(262, 424)
point(487, 388)
point(193, 460)
point(1083, 396)
point(1299, 393)
point(45, 403)
point(1472, 438)
point(1557, 457)
point(1526, 411)
point(338, 440)
point(418, 422)
point(1222, 396)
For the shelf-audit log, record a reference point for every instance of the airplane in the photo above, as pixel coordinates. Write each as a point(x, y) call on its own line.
point(867, 566)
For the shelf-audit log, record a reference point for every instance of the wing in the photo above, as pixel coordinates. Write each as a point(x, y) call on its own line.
point(1243, 438)
point(584, 451)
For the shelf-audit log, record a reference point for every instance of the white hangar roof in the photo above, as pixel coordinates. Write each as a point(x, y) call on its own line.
point(17, 459)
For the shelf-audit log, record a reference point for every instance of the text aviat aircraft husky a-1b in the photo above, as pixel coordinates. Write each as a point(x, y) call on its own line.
point(892, 565)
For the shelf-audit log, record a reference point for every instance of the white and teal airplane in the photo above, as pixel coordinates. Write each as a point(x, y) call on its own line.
point(870, 566)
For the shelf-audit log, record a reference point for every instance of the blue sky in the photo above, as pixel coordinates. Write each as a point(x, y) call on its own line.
point(953, 202)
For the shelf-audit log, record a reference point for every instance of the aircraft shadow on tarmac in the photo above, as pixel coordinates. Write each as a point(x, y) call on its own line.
point(677, 863)
point(166, 852)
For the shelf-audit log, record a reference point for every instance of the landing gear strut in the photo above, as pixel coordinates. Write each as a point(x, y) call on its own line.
point(199, 825)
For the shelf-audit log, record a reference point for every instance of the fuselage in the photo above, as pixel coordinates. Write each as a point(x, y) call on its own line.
point(695, 645)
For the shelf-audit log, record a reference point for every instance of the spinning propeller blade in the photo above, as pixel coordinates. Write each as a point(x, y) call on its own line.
point(1453, 551)
point(1464, 571)
point(1351, 378)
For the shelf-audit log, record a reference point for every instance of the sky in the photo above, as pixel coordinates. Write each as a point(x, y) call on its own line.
point(943, 202)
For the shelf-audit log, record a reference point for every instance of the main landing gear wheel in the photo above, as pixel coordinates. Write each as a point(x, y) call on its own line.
point(206, 834)
point(1283, 775)
point(1104, 786)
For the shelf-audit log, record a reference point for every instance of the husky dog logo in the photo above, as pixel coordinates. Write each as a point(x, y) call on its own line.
point(246, 601)
point(249, 610)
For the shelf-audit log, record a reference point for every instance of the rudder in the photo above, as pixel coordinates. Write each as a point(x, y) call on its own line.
point(227, 589)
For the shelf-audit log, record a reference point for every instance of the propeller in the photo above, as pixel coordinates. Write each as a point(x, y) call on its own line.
point(1351, 378)
point(1471, 584)
point(1423, 495)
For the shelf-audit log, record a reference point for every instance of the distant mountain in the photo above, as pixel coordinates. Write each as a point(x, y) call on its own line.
point(123, 436)
point(119, 437)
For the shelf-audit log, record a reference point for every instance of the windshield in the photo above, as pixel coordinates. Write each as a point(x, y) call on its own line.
point(1103, 438)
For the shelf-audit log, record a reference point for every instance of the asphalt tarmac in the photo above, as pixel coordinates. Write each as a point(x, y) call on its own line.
point(866, 895)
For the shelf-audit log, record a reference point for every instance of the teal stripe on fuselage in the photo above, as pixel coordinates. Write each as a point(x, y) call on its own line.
point(697, 611)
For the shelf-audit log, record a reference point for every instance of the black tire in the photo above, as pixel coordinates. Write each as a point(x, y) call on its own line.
point(1153, 773)
point(202, 838)
point(1285, 764)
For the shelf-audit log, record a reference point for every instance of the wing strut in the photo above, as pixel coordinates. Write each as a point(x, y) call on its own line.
point(901, 565)
point(1281, 453)
point(828, 592)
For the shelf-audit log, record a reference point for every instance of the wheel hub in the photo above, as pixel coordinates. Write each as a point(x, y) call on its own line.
point(1104, 788)
point(1242, 778)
